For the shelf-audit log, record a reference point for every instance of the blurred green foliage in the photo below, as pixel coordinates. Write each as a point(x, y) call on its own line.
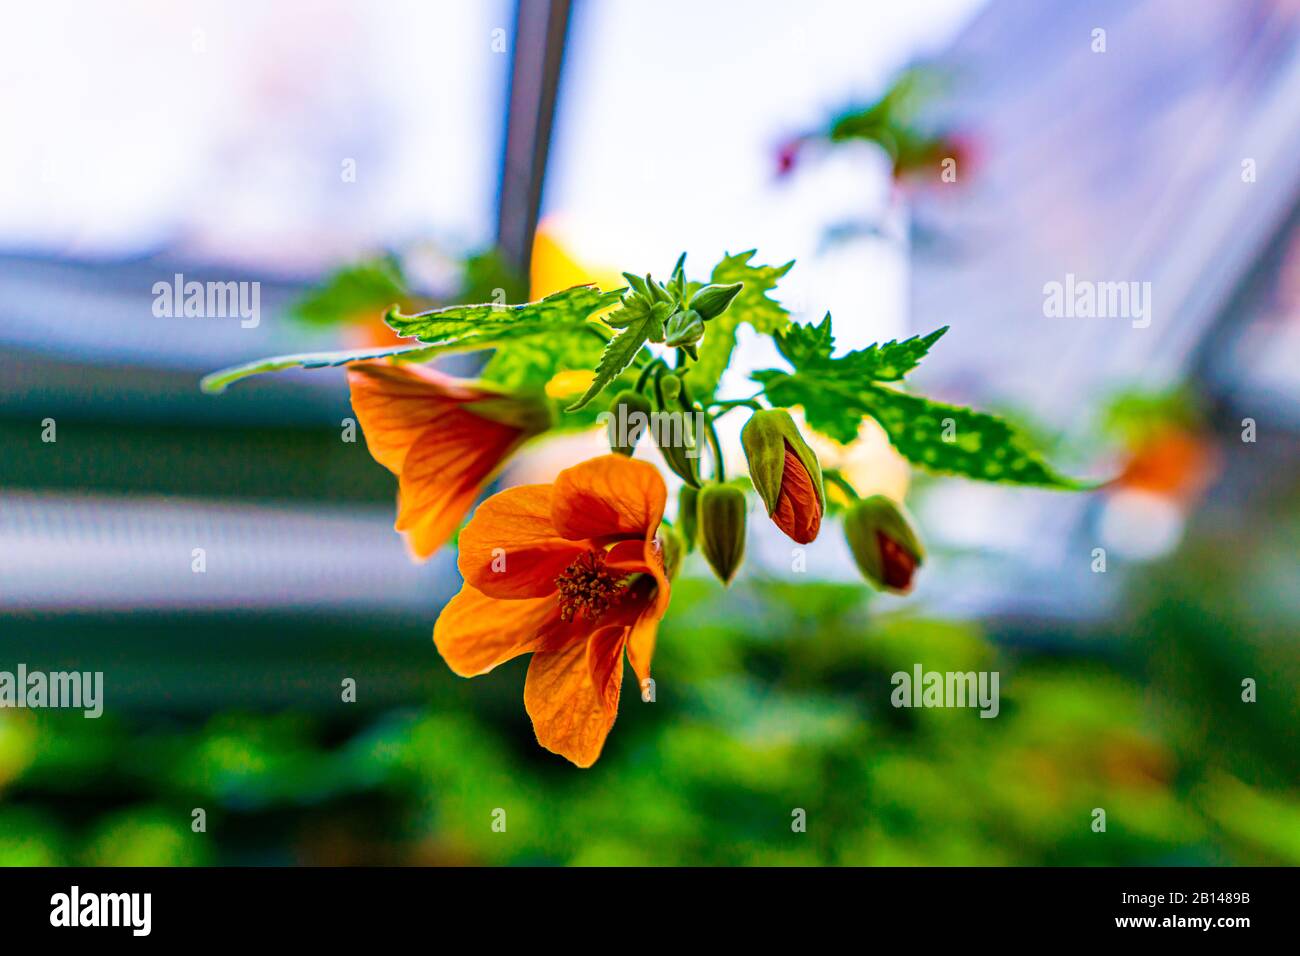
point(771, 698)
point(368, 286)
point(365, 289)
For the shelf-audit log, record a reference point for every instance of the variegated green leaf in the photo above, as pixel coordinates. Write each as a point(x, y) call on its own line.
point(482, 326)
point(217, 381)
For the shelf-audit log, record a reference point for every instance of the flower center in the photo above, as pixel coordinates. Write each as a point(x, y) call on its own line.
point(588, 588)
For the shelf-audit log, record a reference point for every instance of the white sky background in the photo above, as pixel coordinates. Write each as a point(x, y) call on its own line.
point(669, 118)
point(218, 128)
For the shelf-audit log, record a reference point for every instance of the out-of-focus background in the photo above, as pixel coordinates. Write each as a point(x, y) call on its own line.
point(346, 155)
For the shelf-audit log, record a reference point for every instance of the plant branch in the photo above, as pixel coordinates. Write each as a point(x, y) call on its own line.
point(834, 477)
point(719, 469)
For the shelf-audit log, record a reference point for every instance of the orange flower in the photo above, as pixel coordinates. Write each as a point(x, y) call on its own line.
point(572, 573)
point(443, 437)
point(1172, 461)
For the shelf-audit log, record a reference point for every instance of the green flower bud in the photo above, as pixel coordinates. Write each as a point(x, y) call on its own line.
point(658, 292)
point(637, 284)
point(674, 549)
point(629, 415)
point(712, 300)
point(721, 514)
point(677, 440)
point(683, 460)
point(687, 500)
point(785, 472)
point(683, 329)
point(885, 547)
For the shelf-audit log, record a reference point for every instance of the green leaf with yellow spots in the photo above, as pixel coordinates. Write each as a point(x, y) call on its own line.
point(217, 381)
point(837, 393)
point(808, 348)
point(830, 388)
point(953, 440)
point(469, 327)
point(461, 328)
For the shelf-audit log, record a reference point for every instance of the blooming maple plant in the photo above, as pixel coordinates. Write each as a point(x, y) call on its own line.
point(577, 573)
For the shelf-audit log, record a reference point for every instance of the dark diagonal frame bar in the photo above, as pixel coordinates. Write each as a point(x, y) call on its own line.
point(540, 31)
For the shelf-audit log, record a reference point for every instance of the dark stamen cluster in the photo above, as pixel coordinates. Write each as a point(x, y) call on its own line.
point(588, 588)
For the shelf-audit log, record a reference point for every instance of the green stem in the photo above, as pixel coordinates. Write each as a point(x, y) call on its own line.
point(721, 408)
point(752, 402)
point(648, 370)
point(719, 469)
point(832, 476)
point(688, 403)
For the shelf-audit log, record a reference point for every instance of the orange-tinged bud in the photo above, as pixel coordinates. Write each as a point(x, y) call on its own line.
point(885, 547)
point(798, 508)
point(785, 473)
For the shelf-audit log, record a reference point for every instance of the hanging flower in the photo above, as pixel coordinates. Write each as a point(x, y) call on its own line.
point(444, 438)
point(572, 573)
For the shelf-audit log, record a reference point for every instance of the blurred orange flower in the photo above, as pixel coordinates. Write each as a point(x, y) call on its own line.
point(442, 436)
point(573, 573)
point(556, 264)
point(1174, 462)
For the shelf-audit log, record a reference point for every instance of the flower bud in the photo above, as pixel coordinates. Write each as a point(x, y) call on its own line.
point(682, 458)
point(678, 442)
point(674, 549)
point(711, 301)
point(785, 473)
point(721, 514)
point(629, 415)
point(657, 292)
point(683, 329)
point(687, 505)
point(885, 547)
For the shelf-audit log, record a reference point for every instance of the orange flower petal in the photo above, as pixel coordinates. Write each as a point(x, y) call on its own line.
point(569, 716)
point(610, 495)
point(798, 511)
point(604, 657)
point(641, 645)
point(396, 404)
point(443, 473)
point(645, 604)
point(647, 599)
point(510, 549)
point(629, 556)
point(474, 633)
